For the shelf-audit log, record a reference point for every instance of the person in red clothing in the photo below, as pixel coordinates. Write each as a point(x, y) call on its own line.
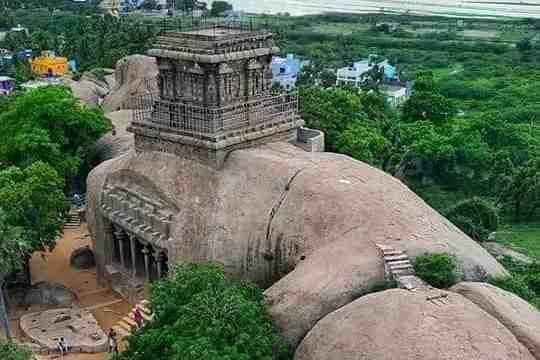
point(137, 317)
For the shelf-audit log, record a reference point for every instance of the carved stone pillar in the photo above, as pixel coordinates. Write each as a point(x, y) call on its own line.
point(120, 236)
point(146, 252)
point(132, 246)
point(160, 257)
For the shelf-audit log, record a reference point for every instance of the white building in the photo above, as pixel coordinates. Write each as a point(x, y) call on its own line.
point(285, 71)
point(354, 74)
point(395, 95)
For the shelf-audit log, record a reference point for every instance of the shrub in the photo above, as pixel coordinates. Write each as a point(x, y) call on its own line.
point(199, 314)
point(475, 217)
point(524, 280)
point(437, 269)
point(11, 351)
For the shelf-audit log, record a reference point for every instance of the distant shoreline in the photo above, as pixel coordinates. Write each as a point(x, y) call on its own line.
point(502, 3)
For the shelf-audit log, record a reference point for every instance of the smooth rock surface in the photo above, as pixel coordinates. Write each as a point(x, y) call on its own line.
point(303, 224)
point(77, 326)
point(134, 75)
point(403, 325)
point(118, 141)
point(520, 317)
point(44, 293)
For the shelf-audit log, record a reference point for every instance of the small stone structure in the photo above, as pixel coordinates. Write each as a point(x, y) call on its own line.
point(214, 96)
point(77, 326)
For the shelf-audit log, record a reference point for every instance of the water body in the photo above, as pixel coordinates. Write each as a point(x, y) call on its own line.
point(475, 8)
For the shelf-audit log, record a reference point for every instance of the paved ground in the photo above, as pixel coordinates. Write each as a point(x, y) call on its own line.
point(106, 305)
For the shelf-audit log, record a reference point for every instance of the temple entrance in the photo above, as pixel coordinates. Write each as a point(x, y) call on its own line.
point(138, 258)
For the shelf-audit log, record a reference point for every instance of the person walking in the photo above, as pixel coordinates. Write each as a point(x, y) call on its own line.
point(62, 346)
point(113, 343)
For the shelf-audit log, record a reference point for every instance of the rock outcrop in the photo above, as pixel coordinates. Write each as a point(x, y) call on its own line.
point(400, 324)
point(44, 293)
point(82, 258)
point(515, 313)
point(89, 89)
point(118, 141)
point(302, 224)
point(134, 75)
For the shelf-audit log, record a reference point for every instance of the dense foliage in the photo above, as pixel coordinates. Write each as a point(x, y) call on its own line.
point(49, 125)
point(201, 315)
point(11, 351)
point(524, 280)
point(44, 137)
point(437, 269)
point(34, 204)
point(476, 217)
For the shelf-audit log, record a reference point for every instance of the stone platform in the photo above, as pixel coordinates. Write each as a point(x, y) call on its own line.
point(77, 326)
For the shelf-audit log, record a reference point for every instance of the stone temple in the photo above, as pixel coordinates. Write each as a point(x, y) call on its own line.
point(222, 170)
point(214, 96)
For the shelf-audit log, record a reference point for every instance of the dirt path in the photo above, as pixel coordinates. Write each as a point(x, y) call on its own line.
point(106, 305)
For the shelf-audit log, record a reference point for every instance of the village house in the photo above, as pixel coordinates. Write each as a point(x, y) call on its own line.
point(48, 64)
point(356, 75)
point(285, 71)
point(6, 85)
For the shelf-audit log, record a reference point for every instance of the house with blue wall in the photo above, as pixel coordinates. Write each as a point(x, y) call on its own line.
point(6, 85)
point(285, 71)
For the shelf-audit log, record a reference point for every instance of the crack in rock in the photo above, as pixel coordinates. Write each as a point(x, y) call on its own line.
point(276, 207)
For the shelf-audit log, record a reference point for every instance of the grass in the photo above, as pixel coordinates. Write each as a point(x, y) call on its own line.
point(521, 237)
point(340, 28)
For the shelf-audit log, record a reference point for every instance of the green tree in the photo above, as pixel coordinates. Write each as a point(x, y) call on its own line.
point(11, 351)
point(523, 191)
point(12, 246)
point(49, 125)
point(199, 314)
point(219, 7)
point(363, 142)
point(34, 204)
point(475, 217)
point(328, 78)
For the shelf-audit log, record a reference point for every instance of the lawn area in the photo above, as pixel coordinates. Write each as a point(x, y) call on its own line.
point(340, 28)
point(523, 237)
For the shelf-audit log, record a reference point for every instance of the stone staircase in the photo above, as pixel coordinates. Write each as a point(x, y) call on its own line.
point(73, 220)
point(398, 266)
point(125, 326)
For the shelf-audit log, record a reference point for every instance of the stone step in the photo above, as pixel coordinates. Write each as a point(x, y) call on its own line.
point(124, 325)
point(403, 272)
point(121, 332)
point(129, 320)
point(395, 257)
point(400, 267)
point(398, 262)
point(392, 252)
point(145, 310)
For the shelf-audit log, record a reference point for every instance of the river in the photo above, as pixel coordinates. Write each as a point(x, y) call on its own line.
point(475, 8)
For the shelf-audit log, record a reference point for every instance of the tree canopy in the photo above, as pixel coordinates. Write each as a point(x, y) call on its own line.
point(49, 125)
point(33, 203)
point(199, 314)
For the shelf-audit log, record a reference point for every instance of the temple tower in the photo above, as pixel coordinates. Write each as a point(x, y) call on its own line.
point(214, 95)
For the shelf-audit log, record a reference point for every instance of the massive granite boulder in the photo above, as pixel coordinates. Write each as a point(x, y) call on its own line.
point(135, 75)
point(516, 314)
point(303, 225)
point(400, 324)
point(118, 141)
